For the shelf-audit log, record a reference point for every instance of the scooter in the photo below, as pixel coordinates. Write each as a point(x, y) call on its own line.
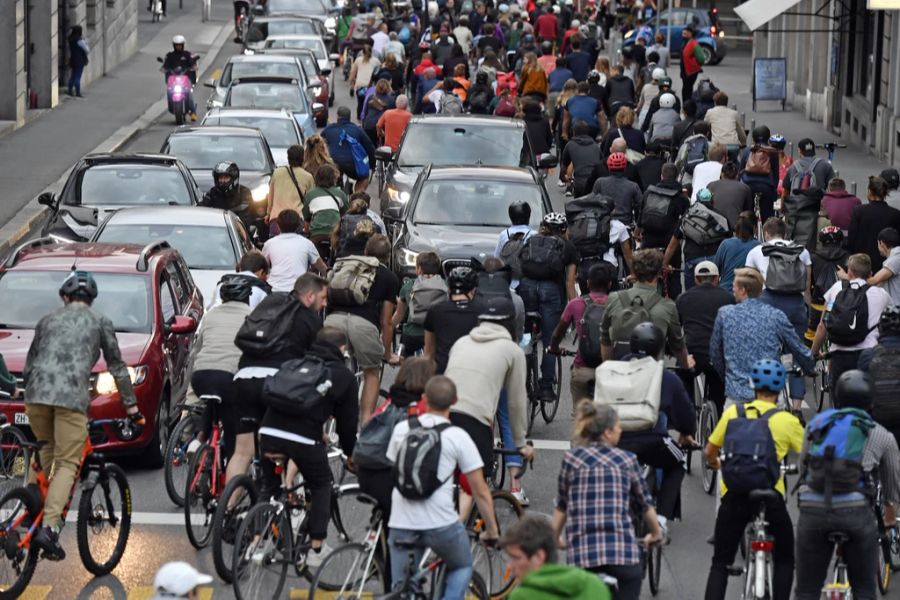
point(179, 91)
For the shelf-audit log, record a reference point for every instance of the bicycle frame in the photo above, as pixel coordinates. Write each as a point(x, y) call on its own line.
point(759, 549)
point(217, 479)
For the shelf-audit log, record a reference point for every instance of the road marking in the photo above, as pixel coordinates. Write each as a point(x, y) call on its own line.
point(35, 592)
point(145, 592)
point(150, 518)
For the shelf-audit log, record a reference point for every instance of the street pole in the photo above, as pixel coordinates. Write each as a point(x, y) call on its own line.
point(669, 31)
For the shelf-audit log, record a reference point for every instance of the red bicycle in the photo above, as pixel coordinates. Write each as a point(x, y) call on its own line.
point(205, 480)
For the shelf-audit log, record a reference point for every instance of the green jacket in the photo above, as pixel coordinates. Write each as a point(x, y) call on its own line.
point(558, 582)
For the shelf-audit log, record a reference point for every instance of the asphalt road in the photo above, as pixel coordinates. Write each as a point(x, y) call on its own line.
point(686, 559)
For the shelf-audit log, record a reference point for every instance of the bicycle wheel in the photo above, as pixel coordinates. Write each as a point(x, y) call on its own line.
point(18, 508)
point(104, 514)
point(176, 460)
point(14, 459)
point(199, 504)
point(237, 499)
point(532, 387)
point(884, 563)
point(549, 407)
point(498, 477)
point(477, 589)
point(708, 420)
point(654, 568)
point(351, 571)
point(823, 377)
point(492, 563)
point(351, 510)
point(262, 551)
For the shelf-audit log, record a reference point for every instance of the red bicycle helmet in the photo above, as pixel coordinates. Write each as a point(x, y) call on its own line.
point(617, 161)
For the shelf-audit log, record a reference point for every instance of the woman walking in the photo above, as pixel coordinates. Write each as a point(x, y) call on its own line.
point(78, 59)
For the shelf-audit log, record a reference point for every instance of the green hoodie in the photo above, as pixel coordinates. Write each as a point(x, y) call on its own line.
point(554, 582)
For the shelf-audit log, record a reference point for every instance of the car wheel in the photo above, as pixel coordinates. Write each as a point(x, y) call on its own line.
point(155, 453)
point(710, 58)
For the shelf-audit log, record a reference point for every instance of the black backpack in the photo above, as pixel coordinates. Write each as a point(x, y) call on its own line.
point(416, 468)
point(885, 372)
point(251, 279)
point(704, 226)
point(371, 444)
point(494, 285)
point(658, 211)
point(825, 273)
point(589, 224)
point(348, 226)
point(510, 252)
point(542, 257)
point(268, 329)
point(300, 388)
point(590, 325)
point(847, 323)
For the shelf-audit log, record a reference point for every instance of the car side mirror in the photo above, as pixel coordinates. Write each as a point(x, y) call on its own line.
point(182, 324)
point(210, 83)
point(46, 199)
point(384, 153)
point(547, 161)
point(325, 72)
point(314, 87)
point(334, 57)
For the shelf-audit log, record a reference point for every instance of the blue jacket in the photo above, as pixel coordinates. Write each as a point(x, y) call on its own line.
point(340, 153)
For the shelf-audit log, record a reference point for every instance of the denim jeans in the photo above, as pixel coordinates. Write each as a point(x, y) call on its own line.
point(75, 79)
point(689, 266)
point(451, 543)
point(794, 307)
point(546, 298)
point(814, 550)
point(506, 434)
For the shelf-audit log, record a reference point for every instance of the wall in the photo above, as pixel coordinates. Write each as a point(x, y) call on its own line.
point(12, 62)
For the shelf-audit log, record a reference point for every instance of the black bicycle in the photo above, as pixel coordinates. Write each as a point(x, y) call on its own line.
point(547, 404)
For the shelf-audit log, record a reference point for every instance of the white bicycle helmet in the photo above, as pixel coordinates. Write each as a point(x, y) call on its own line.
point(658, 73)
point(667, 100)
point(555, 220)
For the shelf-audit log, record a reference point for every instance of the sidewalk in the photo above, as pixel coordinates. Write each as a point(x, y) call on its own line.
point(115, 107)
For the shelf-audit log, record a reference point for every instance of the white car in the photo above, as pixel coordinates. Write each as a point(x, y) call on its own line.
point(253, 65)
point(277, 126)
point(307, 42)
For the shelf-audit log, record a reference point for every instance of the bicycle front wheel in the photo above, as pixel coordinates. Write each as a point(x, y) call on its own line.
point(884, 564)
point(176, 460)
point(199, 504)
point(18, 509)
point(491, 564)
point(262, 551)
point(351, 571)
point(708, 419)
point(654, 568)
point(351, 510)
point(550, 405)
point(237, 499)
point(104, 521)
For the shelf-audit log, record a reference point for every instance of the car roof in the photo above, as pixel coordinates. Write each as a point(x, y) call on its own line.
point(262, 113)
point(45, 254)
point(165, 215)
point(508, 174)
point(467, 120)
point(100, 158)
point(211, 130)
point(284, 17)
point(294, 36)
point(251, 58)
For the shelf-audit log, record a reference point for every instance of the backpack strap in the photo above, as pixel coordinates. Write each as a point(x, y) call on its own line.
point(741, 411)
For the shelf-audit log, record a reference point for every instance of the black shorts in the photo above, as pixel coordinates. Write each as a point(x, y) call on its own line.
point(482, 435)
point(248, 404)
point(241, 5)
point(348, 169)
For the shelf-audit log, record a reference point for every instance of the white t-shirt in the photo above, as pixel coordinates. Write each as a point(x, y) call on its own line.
point(759, 262)
point(618, 233)
point(257, 295)
point(457, 449)
point(878, 300)
point(704, 174)
point(290, 255)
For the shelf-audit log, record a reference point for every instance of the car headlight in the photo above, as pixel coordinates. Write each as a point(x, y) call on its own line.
point(260, 192)
point(107, 385)
point(395, 195)
point(330, 23)
point(628, 34)
point(216, 103)
point(407, 258)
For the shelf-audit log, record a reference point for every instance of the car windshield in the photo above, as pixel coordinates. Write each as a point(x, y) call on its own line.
point(309, 66)
point(236, 70)
point(260, 31)
point(103, 185)
point(475, 203)
point(266, 95)
point(206, 151)
point(295, 6)
point(313, 44)
point(26, 296)
point(279, 133)
point(203, 247)
point(481, 144)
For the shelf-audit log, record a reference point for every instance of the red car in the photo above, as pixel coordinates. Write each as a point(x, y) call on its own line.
point(154, 305)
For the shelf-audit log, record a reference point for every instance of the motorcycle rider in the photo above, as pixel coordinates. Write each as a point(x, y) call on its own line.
point(227, 193)
point(179, 57)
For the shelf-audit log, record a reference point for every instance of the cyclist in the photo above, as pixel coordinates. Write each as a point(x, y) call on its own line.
point(768, 377)
point(660, 212)
point(341, 148)
point(626, 194)
point(290, 254)
point(518, 233)
point(821, 170)
point(66, 345)
point(254, 266)
point(827, 258)
point(883, 364)
point(581, 160)
point(699, 234)
point(180, 58)
point(418, 294)
point(450, 320)
point(849, 513)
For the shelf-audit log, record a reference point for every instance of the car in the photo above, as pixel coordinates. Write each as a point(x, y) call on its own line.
point(202, 148)
point(102, 182)
point(243, 65)
point(306, 8)
point(275, 92)
point(147, 292)
point(261, 28)
point(277, 126)
point(324, 93)
point(459, 213)
point(304, 42)
point(442, 140)
point(705, 23)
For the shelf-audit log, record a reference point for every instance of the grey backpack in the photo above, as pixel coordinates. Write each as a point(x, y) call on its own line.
point(451, 105)
point(786, 273)
point(426, 292)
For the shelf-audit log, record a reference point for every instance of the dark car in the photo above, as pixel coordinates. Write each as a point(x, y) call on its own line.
point(149, 295)
point(459, 213)
point(458, 141)
point(705, 23)
point(100, 183)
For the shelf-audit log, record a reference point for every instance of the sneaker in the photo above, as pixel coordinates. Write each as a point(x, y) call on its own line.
point(48, 540)
point(520, 496)
point(193, 116)
point(664, 525)
point(561, 183)
point(193, 446)
point(314, 559)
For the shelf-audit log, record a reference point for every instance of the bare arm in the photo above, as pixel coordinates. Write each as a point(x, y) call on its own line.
point(320, 266)
point(712, 455)
point(482, 495)
point(558, 521)
point(670, 251)
point(570, 281)
point(819, 338)
point(399, 314)
point(429, 344)
point(387, 332)
point(880, 277)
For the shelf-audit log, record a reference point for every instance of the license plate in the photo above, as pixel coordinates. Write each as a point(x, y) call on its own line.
point(21, 419)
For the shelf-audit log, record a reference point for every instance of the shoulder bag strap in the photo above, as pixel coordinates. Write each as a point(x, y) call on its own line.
point(335, 198)
point(296, 185)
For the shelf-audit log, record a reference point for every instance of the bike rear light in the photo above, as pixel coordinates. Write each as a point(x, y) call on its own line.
point(762, 545)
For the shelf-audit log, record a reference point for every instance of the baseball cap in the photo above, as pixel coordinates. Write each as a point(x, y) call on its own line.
point(892, 177)
point(707, 267)
point(177, 579)
point(806, 146)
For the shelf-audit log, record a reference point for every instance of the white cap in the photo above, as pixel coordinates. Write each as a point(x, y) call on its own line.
point(177, 579)
point(658, 73)
point(667, 100)
point(706, 267)
point(576, 23)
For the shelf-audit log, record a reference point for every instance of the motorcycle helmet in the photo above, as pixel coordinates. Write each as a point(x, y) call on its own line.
point(226, 176)
point(778, 142)
point(658, 73)
point(519, 212)
point(667, 100)
point(79, 285)
point(647, 339)
point(555, 221)
point(178, 40)
point(854, 389)
point(462, 280)
point(617, 161)
point(889, 323)
point(768, 374)
point(831, 236)
point(235, 288)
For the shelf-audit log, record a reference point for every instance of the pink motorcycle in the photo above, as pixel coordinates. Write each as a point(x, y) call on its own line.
point(179, 93)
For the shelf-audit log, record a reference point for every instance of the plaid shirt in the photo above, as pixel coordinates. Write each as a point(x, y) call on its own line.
point(598, 487)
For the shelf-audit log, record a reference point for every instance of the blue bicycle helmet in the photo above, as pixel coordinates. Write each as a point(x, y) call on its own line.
point(768, 374)
point(777, 141)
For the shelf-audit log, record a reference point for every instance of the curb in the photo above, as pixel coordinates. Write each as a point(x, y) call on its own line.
point(33, 213)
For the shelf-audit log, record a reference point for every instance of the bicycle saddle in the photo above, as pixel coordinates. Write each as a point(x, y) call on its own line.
point(838, 537)
point(764, 495)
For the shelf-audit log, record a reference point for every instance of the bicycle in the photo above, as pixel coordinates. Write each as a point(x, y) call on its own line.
point(14, 455)
point(885, 542)
point(205, 479)
point(839, 588)
point(176, 458)
point(757, 199)
point(707, 418)
point(104, 506)
point(430, 568)
point(822, 379)
point(534, 358)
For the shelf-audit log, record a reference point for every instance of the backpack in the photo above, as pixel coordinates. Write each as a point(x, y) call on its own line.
point(479, 100)
point(885, 372)
point(450, 104)
point(749, 459)
point(634, 313)
point(268, 328)
point(695, 149)
point(299, 388)
point(633, 388)
point(786, 273)
point(505, 108)
point(426, 292)
point(415, 471)
point(657, 213)
point(359, 154)
point(589, 325)
point(348, 226)
point(251, 279)
point(542, 257)
point(510, 252)
point(847, 321)
point(758, 161)
point(589, 226)
point(804, 179)
point(370, 450)
point(824, 274)
point(351, 280)
point(493, 285)
point(835, 440)
point(704, 226)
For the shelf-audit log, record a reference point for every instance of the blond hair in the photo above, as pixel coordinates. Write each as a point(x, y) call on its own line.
point(592, 420)
point(750, 280)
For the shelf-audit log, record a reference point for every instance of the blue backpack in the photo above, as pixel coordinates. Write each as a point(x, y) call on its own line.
point(834, 451)
point(749, 458)
point(358, 151)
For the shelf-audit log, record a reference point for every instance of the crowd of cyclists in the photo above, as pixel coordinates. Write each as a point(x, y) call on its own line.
point(684, 240)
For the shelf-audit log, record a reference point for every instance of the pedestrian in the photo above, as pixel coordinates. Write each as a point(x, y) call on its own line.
point(290, 254)
point(288, 187)
point(78, 59)
point(537, 127)
point(178, 580)
point(533, 82)
point(691, 64)
point(392, 123)
point(892, 177)
point(868, 220)
point(888, 277)
point(662, 50)
point(838, 204)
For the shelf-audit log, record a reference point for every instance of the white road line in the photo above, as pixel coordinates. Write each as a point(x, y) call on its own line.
point(147, 518)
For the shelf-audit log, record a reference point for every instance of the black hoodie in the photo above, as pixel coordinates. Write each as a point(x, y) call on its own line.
point(583, 153)
point(539, 133)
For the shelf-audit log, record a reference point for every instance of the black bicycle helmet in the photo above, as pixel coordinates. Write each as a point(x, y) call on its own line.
point(854, 389)
point(462, 280)
point(761, 134)
point(226, 176)
point(79, 285)
point(831, 236)
point(889, 323)
point(768, 374)
point(519, 212)
point(647, 339)
point(235, 288)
